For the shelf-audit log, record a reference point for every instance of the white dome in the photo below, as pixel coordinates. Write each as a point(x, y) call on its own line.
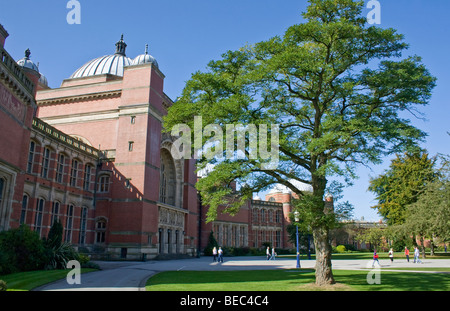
point(145, 59)
point(27, 63)
point(108, 64)
point(279, 188)
point(43, 80)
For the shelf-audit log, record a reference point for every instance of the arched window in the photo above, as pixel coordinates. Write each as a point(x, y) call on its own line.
point(74, 172)
point(87, 177)
point(167, 185)
point(2, 195)
point(39, 215)
point(272, 199)
point(55, 212)
point(60, 168)
point(69, 223)
point(31, 157)
point(23, 212)
point(83, 225)
point(45, 162)
point(103, 184)
point(100, 231)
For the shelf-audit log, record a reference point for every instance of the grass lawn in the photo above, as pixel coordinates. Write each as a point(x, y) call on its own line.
point(293, 280)
point(25, 281)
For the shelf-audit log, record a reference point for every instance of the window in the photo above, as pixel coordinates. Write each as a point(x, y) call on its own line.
point(55, 213)
point(100, 228)
point(167, 181)
point(130, 145)
point(69, 224)
point(23, 213)
point(263, 215)
point(45, 163)
point(74, 173)
point(103, 184)
point(31, 157)
point(87, 177)
point(133, 119)
point(39, 214)
point(278, 217)
point(2, 188)
point(60, 168)
point(272, 199)
point(255, 215)
point(83, 222)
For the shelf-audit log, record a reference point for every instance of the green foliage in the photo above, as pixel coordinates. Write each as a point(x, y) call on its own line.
point(23, 250)
point(3, 286)
point(59, 256)
point(401, 185)
point(212, 242)
point(429, 215)
point(55, 235)
point(341, 249)
point(334, 110)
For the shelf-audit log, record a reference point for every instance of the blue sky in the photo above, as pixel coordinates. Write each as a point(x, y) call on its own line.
point(185, 35)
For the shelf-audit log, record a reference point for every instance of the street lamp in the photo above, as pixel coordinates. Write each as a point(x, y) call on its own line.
point(297, 219)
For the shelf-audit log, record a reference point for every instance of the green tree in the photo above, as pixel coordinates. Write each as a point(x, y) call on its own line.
point(375, 236)
point(335, 86)
point(212, 242)
point(429, 215)
point(401, 185)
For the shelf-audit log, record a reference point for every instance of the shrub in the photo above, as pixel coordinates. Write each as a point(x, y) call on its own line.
point(22, 249)
point(59, 256)
point(211, 244)
point(340, 249)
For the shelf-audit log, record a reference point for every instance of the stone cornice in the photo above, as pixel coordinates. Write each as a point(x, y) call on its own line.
point(79, 98)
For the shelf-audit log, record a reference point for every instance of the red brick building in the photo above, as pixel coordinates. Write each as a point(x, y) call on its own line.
point(91, 153)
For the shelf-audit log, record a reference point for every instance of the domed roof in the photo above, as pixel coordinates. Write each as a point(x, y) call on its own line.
point(279, 188)
point(108, 64)
point(27, 63)
point(43, 80)
point(145, 59)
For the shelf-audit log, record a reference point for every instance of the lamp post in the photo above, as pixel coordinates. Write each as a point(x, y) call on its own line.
point(296, 216)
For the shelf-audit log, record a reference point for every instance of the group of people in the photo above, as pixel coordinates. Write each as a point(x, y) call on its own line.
point(217, 254)
point(270, 256)
point(391, 256)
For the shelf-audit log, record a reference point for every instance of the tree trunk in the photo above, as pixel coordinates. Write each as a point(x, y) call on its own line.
point(324, 274)
point(422, 242)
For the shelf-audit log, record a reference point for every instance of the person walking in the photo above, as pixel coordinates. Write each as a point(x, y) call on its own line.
point(268, 253)
point(391, 255)
point(214, 251)
point(417, 255)
point(273, 254)
point(375, 259)
point(220, 253)
point(407, 253)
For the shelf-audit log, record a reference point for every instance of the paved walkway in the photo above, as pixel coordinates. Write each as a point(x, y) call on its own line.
point(132, 276)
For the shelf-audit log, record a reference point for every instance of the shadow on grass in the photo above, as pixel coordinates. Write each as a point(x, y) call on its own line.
point(293, 280)
point(395, 281)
